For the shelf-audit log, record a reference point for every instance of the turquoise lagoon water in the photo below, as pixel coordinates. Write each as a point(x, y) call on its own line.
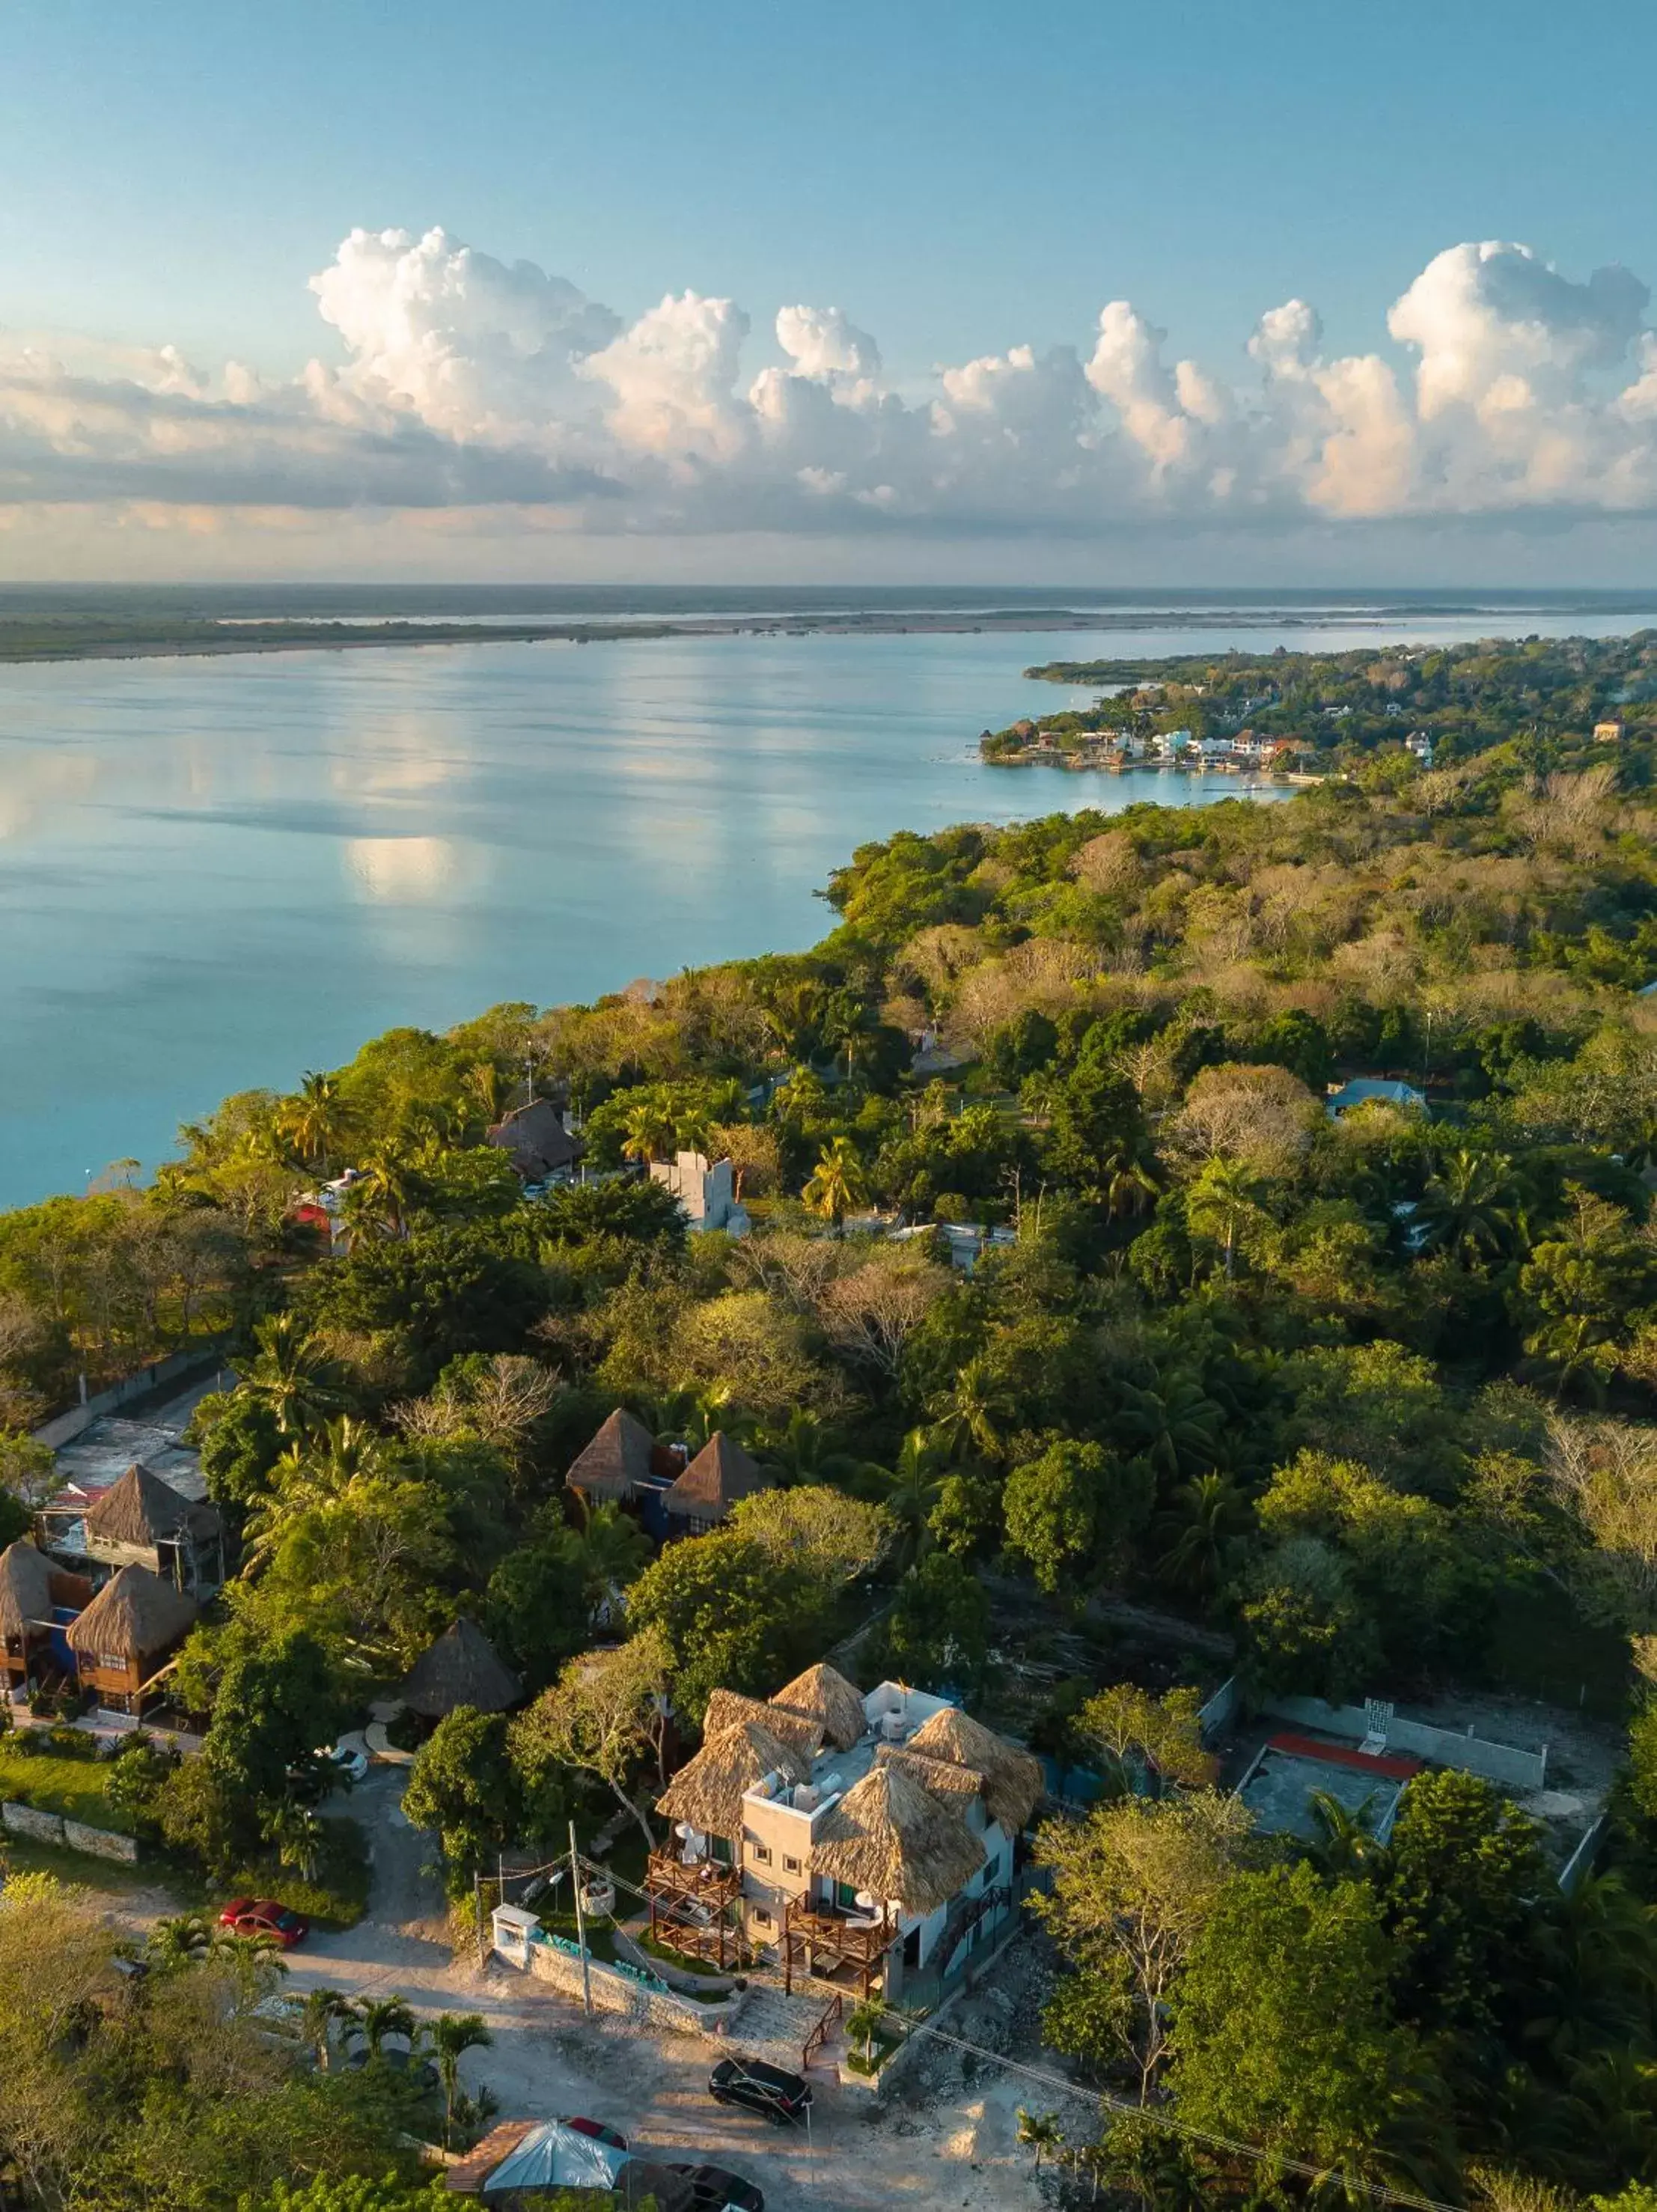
point(215, 873)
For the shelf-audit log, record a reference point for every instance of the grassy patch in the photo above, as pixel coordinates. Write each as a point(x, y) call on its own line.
point(682, 1959)
point(337, 1896)
point(600, 1934)
point(881, 2045)
point(81, 1870)
point(76, 1789)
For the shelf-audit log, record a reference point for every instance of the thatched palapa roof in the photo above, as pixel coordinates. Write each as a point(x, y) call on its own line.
point(617, 1459)
point(726, 1708)
point(951, 1785)
point(825, 1696)
point(536, 1139)
point(708, 1790)
point(461, 1669)
point(890, 1838)
point(136, 1613)
point(25, 1588)
point(141, 1510)
point(1012, 1779)
point(720, 1473)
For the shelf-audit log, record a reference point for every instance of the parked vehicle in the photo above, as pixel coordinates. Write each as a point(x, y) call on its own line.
point(598, 2131)
point(716, 2189)
point(263, 1916)
point(422, 2072)
point(350, 1766)
point(771, 2091)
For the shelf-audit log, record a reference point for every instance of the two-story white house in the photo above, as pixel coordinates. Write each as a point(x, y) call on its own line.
point(868, 1839)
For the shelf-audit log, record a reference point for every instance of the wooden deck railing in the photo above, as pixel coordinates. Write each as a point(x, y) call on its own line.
point(821, 2033)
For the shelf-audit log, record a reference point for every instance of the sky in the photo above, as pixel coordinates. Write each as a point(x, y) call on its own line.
point(1094, 293)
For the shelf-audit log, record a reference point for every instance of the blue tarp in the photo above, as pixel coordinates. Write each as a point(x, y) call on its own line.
point(553, 2156)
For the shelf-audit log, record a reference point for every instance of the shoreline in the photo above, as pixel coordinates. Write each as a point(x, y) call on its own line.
point(65, 641)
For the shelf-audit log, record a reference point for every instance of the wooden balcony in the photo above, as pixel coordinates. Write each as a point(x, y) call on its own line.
point(693, 1907)
point(828, 1943)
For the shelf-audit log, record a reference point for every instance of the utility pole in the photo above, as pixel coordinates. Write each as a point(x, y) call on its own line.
point(580, 1924)
point(477, 1907)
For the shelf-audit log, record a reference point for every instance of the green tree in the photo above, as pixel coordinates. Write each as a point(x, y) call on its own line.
point(605, 1716)
point(938, 1631)
point(450, 2036)
point(1466, 1872)
point(277, 1701)
point(463, 1784)
point(1074, 1509)
point(1281, 2033)
point(1226, 1202)
point(1132, 1886)
point(291, 1376)
point(838, 1183)
point(732, 1613)
point(1471, 1208)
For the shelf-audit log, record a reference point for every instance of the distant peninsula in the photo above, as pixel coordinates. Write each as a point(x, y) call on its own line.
point(73, 636)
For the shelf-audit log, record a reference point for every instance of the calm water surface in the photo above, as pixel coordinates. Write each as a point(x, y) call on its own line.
point(216, 873)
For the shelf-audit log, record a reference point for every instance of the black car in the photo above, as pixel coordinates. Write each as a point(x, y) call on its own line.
point(769, 2090)
point(716, 2189)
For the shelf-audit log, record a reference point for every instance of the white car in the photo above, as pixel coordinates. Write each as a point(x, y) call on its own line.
point(350, 1766)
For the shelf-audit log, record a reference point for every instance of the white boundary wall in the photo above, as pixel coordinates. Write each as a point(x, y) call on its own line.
point(1472, 1754)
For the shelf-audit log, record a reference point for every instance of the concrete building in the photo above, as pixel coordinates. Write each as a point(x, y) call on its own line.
point(866, 1840)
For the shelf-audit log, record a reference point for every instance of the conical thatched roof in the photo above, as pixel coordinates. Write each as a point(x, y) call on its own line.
point(25, 1588)
point(827, 1697)
point(461, 1669)
point(136, 1613)
point(720, 1473)
point(617, 1459)
point(1012, 1779)
point(142, 1510)
point(951, 1785)
point(725, 1708)
point(891, 1838)
point(708, 1790)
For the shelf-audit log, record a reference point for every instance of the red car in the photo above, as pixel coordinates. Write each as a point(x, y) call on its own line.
point(612, 2136)
point(263, 1915)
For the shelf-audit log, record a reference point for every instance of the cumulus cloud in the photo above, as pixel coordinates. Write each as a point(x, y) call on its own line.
point(460, 382)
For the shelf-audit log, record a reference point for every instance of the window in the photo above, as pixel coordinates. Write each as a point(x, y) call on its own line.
point(762, 1918)
point(762, 1852)
point(115, 1664)
point(790, 1866)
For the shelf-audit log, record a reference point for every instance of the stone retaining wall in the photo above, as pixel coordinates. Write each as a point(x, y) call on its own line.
point(615, 1992)
point(70, 1835)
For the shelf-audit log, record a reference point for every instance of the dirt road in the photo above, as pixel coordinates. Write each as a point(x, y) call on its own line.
point(954, 2148)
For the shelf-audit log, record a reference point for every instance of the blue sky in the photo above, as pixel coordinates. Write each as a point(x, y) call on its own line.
point(962, 180)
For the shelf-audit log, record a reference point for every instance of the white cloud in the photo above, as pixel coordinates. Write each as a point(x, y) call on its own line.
point(465, 384)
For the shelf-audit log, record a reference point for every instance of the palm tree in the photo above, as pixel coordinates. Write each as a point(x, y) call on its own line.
point(185, 1939)
point(1040, 2132)
point(311, 1120)
point(1345, 1845)
point(911, 1491)
point(1176, 1424)
point(309, 1478)
point(490, 1089)
point(450, 2035)
point(387, 1188)
point(849, 1025)
point(1211, 1511)
point(1225, 1199)
point(863, 2024)
point(611, 1549)
point(291, 1375)
point(649, 1131)
point(321, 2008)
point(379, 2017)
point(837, 1183)
point(300, 1837)
point(976, 1411)
point(1471, 1207)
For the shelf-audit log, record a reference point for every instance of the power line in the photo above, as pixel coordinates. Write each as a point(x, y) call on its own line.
point(1376, 2191)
